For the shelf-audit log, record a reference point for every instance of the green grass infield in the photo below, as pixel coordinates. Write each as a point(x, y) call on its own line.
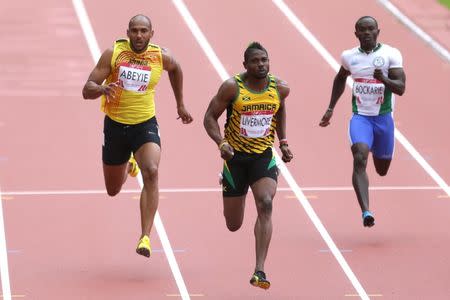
point(445, 3)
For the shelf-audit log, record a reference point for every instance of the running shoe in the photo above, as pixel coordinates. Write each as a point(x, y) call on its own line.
point(259, 280)
point(143, 247)
point(368, 219)
point(134, 169)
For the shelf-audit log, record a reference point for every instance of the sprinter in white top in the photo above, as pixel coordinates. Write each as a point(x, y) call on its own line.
point(377, 72)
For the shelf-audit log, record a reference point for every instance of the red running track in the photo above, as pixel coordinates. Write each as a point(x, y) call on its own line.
point(80, 244)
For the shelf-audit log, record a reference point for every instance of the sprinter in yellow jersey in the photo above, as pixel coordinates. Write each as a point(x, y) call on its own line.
point(255, 104)
point(125, 77)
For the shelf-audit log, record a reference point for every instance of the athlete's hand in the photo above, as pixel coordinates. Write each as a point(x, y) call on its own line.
point(110, 90)
point(326, 118)
point(378, 74)
point(287, 154)
point(226, 151)
point(184, 115)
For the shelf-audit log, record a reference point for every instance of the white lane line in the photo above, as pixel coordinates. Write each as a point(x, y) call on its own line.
point(442, 51)
point(87, 28)
point(95, 52)
point(168, 250)
point(335, 65)
point(198, 34)
point(210, 190)
point(323, 232)
point(4, 272)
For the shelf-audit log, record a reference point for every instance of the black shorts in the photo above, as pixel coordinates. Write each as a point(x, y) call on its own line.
point(120, 140)
point(244, 169)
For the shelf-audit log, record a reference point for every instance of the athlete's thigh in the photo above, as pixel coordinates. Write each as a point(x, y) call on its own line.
point(114, 177)
point(115, 149)
point(146, 132)
point(264, 188)
point(361, 130)
point(234, 189)
point(384, 140)
point(263, 166)
point(146, 144)
point(235, 180)
point(115, 154)
point(233, 211)
point(148, 156)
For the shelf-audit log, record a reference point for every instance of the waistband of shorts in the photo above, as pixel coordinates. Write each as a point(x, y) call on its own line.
point(243, 153)
point(152, 120)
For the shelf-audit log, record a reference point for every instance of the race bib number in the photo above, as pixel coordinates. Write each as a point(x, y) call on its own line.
point(255, 125)
point(134, 78)
point(368, 91)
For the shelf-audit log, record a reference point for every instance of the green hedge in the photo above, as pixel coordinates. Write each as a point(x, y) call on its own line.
point(445, 2)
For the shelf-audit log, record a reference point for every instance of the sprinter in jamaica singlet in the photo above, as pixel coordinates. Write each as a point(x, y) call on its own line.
point(255, 105)
point(377, 72)
point(125, 77)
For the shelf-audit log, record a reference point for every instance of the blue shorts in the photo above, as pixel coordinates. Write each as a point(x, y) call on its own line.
point(375, 131)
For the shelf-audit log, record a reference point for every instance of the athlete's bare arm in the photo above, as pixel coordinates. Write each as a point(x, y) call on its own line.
point(226, 94)
point(175, 73)
point(93, 87)
point(336, 93)
point(283, 90)
point(395, 81)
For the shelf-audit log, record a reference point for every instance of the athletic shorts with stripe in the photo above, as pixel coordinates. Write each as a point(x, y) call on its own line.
point(120, 140)
point(244, 169)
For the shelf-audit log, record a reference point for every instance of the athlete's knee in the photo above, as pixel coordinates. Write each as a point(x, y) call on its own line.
point(233, 226)
point(359, 160)
point(382, 171)
point(150, 173)
point(382, 166)
point(264, 206)
point(233, 220)
point(113, 191)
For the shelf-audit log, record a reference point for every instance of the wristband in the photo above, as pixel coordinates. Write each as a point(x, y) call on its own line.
point(283, 142)
point(223, 142)
point(330, 109)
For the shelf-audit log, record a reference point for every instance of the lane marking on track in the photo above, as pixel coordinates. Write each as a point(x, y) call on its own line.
point(335, 65)
point(13, 296)
point(342, 250)
point(178, 295)
point(95, 53)
point(370, 295)
point(201, 39)
point(442, 51)
point(211, 190)
point(4, 272)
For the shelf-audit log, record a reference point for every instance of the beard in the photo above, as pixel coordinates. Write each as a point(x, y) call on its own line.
point(139, 48)
point(262, 74)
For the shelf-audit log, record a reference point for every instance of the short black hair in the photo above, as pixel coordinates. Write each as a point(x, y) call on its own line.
point(365, 17)
point(251, 47)
point(138, 17)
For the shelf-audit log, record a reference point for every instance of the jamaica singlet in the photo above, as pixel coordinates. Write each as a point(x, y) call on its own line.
point(251, 122)
point(138, 74)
